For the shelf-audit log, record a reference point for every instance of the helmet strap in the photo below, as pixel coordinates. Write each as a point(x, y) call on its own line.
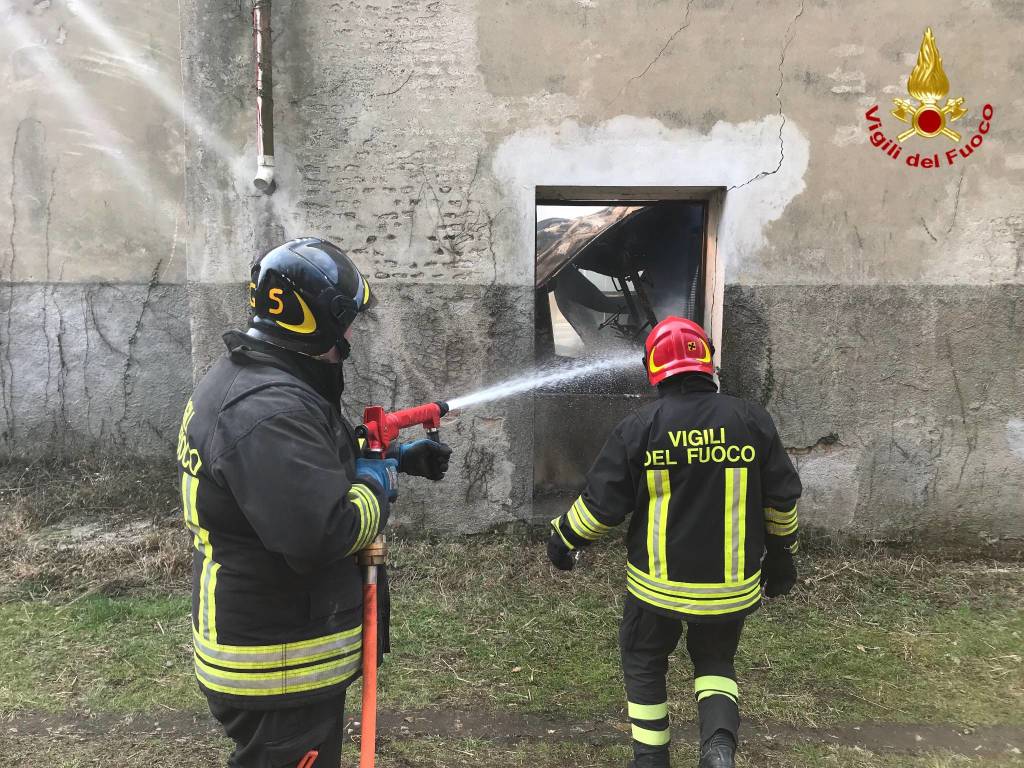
point(343, 347)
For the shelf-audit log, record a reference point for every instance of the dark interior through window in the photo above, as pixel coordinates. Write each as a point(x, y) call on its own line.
point(606, 273)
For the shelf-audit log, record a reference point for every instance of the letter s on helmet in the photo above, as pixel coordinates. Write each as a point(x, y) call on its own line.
point(676, 345)
point(304, 295)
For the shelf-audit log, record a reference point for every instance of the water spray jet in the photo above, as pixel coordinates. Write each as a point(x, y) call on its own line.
point(544, 378)
point(21, 34)
point(167, 93)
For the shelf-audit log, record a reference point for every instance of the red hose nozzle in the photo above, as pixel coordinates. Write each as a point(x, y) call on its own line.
point(383, 427)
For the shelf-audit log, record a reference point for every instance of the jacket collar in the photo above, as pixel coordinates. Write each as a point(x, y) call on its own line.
point(325, 378)
point(687, 383)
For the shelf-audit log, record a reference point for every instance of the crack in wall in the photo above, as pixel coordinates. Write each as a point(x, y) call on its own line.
point(972, 435)
point(50, 288)
point(956, 203)
point(96, 322)
point(823, 442)
point(62, 375)
point(7, 369)
point(478, 467)
point(126, 387)
point(650, 65)
point(788, 38)
point(85, 361)
point(392, 93)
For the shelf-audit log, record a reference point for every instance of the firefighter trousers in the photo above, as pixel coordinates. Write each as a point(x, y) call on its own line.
point(646, 638)
point(281, 738)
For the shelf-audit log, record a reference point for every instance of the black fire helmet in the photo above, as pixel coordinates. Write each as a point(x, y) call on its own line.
point(304, 294)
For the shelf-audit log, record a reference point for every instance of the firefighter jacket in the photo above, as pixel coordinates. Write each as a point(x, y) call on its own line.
point(710, 485)
point(266, 464)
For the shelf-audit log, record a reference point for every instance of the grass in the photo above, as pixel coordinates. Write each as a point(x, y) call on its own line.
point(75, 750)
point(807, 756)
point(94, 622)
point(96, 654)
point(486, 623)
point(870, 637)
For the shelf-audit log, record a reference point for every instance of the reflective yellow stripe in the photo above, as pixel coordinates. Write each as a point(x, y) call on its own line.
point(698, 591)
point(774, 529)
point(647, 711)
point(741, 536)
point(211, 597)
point(588, 518)
point(557, 526)
point(207, 612)
point(369, 515)
point(583, 522)
point(779, 523)
point(357, 500)
point(276, 657)
point(735, 523)
point(782, 518)
point(652, 738)
point(364, 518)
point(373, 514)
point(278, 682)
point(709, 607)
point(659, 493)
point(580, 525)
point(290, 648)
point(712, 685)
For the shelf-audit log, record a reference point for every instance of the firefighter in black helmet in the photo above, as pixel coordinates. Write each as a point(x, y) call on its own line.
point(714, 496)
point(278, 501)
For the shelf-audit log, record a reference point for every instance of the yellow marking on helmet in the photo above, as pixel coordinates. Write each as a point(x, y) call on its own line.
point(308, 324)
point(252, 294)
point(650, 362)
point(366, 293)
point(275, 296)
point(707, 353)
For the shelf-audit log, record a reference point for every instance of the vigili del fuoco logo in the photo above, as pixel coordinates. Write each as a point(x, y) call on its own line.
point(927, 117)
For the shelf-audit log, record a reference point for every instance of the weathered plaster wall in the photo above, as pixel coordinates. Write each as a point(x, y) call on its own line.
point(414, 131)
point(94, 349)
point(871, 306)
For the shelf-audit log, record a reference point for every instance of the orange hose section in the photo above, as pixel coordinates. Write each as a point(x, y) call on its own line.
point(368, 740)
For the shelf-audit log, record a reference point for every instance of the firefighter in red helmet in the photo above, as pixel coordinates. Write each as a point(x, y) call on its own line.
point(713, 496)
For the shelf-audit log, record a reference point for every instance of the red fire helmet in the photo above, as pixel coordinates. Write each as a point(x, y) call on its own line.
point(676, 345)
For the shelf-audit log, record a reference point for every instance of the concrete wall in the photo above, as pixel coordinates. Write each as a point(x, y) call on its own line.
point(94, 351)
point(871, 306)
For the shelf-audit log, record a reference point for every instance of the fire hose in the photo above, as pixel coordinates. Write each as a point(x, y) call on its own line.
point(379, 429)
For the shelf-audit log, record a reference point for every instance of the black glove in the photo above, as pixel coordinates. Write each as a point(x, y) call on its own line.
point(422, 458)
point(560, 555)
point(778, 573)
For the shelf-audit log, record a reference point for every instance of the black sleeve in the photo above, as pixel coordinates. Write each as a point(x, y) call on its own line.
point(288, 479)
point(780, 488)
point(610, 491)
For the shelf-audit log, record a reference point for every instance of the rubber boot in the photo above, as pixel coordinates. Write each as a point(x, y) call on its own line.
point(718, 751)
point(647, 763)
point(659, 759)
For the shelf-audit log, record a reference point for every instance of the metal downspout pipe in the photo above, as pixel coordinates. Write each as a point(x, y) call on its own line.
point(262, 47)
